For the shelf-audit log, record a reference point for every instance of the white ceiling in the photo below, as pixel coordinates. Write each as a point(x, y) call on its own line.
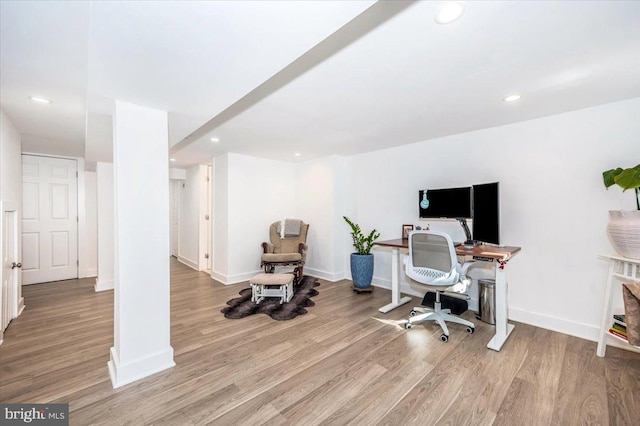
point(43, 52)
point(319, 78)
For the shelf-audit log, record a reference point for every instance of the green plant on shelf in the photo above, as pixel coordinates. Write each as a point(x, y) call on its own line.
point(625, 179)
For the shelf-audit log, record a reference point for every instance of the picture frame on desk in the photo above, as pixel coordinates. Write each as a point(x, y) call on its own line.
point(406, 229)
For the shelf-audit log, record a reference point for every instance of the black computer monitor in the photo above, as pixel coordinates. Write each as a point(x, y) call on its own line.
point(450, 203)
point(486, 213)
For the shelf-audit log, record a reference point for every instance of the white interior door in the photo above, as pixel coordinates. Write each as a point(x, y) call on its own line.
point(10, 268)
point(210, 219)
point(49, 219)
point(173, 200)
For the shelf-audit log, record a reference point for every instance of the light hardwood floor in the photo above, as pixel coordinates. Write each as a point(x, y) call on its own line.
point(342, 363)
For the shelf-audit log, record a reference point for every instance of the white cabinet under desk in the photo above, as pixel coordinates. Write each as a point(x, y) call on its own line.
point(621, 270)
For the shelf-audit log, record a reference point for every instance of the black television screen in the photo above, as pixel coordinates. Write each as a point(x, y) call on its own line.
point(486, 213)
point(452, 203)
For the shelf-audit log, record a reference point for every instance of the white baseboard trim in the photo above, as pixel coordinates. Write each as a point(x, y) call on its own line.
point(378, 282)
point(404, 288)
point(246, 276)
point(103, 285)
point(329, 276)
point(123, 374)
point(219, 277)
point(238, 278)
point(234, 279)
point(92, 272)
point(190, 263)
point(561, 325)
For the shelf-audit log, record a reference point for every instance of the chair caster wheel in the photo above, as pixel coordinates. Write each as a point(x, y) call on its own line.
point(408, 326)
point(470, 330)
point(413, 313)
point(444, 338)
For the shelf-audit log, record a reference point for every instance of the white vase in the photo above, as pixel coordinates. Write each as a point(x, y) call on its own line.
point(624, 232)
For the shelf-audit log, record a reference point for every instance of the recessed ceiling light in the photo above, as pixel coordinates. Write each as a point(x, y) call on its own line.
point(172, 159)
point(511, 98)
point(39, 100)
point(214, 139)
point(449, 13)
point(297, 154)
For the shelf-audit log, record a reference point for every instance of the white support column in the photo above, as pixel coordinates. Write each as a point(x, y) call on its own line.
point(141, 306)
point(104, 185)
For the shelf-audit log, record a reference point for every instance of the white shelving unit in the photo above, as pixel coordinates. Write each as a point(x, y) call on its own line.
point(621, 270)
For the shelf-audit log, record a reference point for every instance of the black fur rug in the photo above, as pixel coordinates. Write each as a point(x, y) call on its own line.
point(241, 307)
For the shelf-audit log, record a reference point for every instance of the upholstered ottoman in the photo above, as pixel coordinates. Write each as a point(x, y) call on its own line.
point(271, 285)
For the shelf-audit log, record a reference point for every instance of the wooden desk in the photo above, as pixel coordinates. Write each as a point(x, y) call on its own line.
point(486, 253)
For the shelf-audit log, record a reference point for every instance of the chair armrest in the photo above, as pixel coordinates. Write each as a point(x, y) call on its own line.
point(463, 281)
point(466, 281)
point(267, 248)
point(464, 267)
point(302, 247)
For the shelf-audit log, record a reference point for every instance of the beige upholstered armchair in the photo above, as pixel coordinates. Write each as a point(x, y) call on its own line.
point(287, 247)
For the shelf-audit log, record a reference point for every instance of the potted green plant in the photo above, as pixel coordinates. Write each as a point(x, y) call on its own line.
point(362, 259)
point(624, 225)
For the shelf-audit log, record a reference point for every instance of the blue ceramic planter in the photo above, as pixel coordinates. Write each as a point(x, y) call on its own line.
point(361, 270)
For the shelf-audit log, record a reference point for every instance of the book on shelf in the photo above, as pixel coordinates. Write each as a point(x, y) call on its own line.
point(617, 333)
point(619, 318)
point(619, 328)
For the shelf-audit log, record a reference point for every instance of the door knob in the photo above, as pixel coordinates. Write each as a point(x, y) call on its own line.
point(16, 265)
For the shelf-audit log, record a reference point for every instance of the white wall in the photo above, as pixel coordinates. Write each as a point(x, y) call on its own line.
point(179, 174)
point(189, 196)
point(91, 224)
point(250, 194)
point(220, 267)
point(10, 191)
point(10, 161)
point(105, 226)
point(320, 202)
point(554, 205)
point(553, 202)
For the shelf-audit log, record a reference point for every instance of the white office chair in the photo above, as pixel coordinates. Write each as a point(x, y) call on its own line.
point(432, 262)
